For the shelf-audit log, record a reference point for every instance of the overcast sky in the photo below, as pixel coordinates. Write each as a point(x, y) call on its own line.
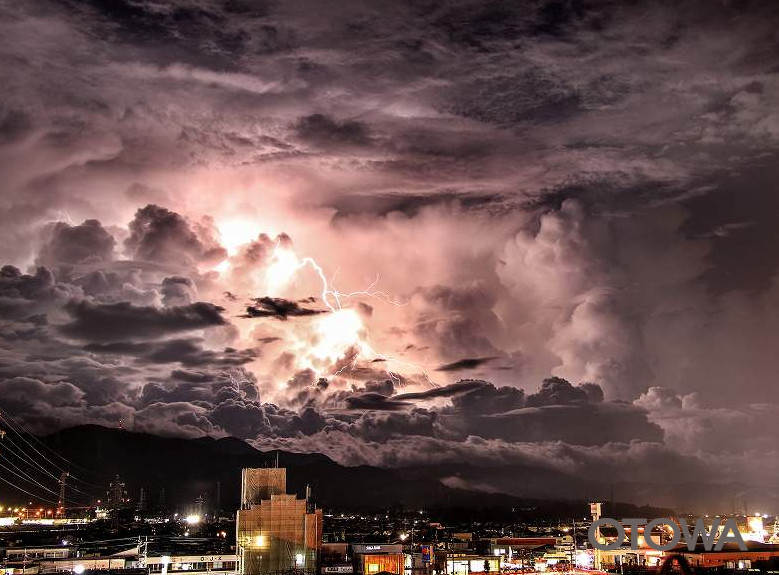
point(529, 233)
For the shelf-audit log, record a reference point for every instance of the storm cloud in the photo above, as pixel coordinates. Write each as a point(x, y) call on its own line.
point(512, 233)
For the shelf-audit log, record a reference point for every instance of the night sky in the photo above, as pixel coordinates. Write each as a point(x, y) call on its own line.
point(403, 232)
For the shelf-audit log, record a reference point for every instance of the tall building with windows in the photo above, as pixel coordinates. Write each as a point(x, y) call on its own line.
point(276, 531)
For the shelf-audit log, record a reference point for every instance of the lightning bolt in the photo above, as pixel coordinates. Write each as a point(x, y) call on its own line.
point(332, 298)
point(331, 292)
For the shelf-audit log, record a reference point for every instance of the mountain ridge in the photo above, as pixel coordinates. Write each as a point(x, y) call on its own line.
point(188, 468)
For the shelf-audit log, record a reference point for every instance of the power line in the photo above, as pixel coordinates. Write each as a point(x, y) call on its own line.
point(27, 492)
point(24, 458)
point(12, 423)
point(24, 476)
point(12, 448)
point(32, 481)
point(21, 455)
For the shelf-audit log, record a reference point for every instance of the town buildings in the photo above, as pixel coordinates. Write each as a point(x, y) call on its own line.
point(275, 532)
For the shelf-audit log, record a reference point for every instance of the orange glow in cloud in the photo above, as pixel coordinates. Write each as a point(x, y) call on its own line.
point(335, 333)
point(282, 269)
point(235, 232)
point(319, 342)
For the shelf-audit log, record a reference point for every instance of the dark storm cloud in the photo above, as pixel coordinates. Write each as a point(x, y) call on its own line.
point(25, 295)
point(578, 189)
point(16, 285)
point(160, 235)
point(480, 408)
point(187, 352)
point(445, 391)
point(465, 363)
point(385, 387)
point(557, 391)
point(119, 321)
point(190, 375)
point(280, 308)
point(85, 243)
point(359, 397)
point(411, 204)
point(175, 34)
point(178, 290)
point(219, 403)
point(24, 393)
point(224, 401)
point(577, 425)
point(534, 96)
point(322, 130)
point(487, 399)
point(374, 402)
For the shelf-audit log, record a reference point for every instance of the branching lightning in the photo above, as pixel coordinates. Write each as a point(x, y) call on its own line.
point(281, 257)
point(285, 264)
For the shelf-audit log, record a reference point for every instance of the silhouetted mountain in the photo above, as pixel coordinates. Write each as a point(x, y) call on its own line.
point(187, 468)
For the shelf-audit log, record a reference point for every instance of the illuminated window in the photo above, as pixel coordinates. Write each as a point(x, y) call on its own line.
point(373, 568)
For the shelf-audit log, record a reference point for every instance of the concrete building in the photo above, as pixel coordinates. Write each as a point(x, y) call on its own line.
point(193, 564)
point(275, 532)
point(131, 560)
point(37, 553)
point(371, 559)
point(730, 557)
point(455, 563)
point(334, 558)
